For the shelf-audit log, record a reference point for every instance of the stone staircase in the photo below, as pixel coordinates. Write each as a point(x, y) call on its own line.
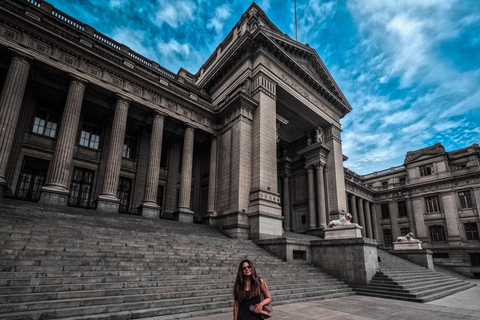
point(403, 280)
point(69, 263)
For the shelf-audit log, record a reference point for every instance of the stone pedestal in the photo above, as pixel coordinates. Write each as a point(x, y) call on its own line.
point(407, 245)
point(317, 232)
point(53, 196)
point(183, 215)
point(422, 257)
point(149, 210)
point(108, 204)
point(354, 261)
point(347, 232)
point(288, 249)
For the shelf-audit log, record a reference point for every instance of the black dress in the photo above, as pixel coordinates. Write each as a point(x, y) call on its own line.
point(244, 312)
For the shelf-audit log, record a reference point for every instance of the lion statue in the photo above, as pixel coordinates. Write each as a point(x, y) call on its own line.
point(343, 221)
point(406, 238)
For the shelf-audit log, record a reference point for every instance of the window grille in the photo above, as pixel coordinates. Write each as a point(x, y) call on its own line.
point(81, 188)
point(387, 236)
point(402, 208)
point(45, 123)
point(385, 211)
point(465, 199)
point(432, 204)
point(31, 179)
point(471, 231)
point(437, 233)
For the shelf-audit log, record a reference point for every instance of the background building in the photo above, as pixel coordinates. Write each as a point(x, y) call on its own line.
point(435, 194)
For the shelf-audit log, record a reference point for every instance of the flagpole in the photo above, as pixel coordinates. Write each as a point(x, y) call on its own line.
point(295, 20)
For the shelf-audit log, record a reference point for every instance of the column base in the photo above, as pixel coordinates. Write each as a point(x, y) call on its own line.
point(149, 210)
point(109, 204)
point(183, 215)
point(55, 196)
point(209, 219)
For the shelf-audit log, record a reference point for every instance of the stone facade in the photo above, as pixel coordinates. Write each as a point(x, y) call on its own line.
point(435, 194)
point(90, 123)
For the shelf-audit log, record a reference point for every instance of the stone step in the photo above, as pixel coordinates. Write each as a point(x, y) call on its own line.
point(413, 283)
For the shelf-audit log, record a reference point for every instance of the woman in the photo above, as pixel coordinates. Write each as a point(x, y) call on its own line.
point(246, 292)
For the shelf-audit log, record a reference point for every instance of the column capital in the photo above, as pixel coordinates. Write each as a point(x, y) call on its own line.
point(22, 57)
point(78, 80)
point(264, 84)
point(190, 127)
point(122, 98)
point(309, 168)
point(159, 114)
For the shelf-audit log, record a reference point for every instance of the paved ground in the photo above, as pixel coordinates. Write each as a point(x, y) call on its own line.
point(462, 305)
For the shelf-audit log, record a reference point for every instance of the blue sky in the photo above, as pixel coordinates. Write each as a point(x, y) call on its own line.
point(409, 68)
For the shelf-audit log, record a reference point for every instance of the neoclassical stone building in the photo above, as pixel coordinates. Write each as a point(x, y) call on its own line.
point(435, 194)
point(251, 143)
point(88, 122)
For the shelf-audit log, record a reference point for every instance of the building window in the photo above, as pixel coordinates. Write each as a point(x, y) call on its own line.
point(404, 231)
point(426, 170)
point(402, 181)
point(129, 147)
point(90, 136)
point(32, 178)
point(123, 193)
point(465, 199)
point(385, 211)
point(402, 208)
point(471, 231)
point(475, 259)
point(437, 233)
point(387, 236)
point(81, 188)
point(432, 204)
point(385, 184)
point(45, 123)
point(461, 166)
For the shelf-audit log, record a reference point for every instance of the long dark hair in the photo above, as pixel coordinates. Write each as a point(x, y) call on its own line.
point(239, 287)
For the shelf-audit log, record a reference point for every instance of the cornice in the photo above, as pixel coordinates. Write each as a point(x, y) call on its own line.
point(76, 38)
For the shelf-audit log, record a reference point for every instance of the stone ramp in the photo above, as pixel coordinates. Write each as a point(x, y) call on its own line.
point(69, 263)
point(403, 280)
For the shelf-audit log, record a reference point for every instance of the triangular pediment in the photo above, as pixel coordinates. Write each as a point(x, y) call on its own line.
point(426, 153)
point(255, 31)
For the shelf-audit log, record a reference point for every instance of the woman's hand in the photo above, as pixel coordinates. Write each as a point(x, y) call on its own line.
point(258, 308)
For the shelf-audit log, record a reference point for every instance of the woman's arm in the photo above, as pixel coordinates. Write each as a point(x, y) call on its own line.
point(235, 309)
point(266, 295)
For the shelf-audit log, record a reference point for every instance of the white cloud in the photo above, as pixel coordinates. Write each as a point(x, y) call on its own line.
point(173, 48)
point(174, 13)
point(218, 20)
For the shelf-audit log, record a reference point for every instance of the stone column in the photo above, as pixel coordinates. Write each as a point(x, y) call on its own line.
point(286, 203)
point(361, 215)
point(264, 210)
point(368, 219)
point(353, 208)
point(376, 225)
point(322, 213)
point(108, 200)
point(393, 208)
point(335, 174)
point(311, 199)
point(183, 212)
point(451, 218)
point(149, 206)
point(10, 105)
point(56, 187)
point(212, 179)
point(418, 211)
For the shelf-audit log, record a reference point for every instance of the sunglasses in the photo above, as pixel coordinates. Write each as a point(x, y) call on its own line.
point(247, 267)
